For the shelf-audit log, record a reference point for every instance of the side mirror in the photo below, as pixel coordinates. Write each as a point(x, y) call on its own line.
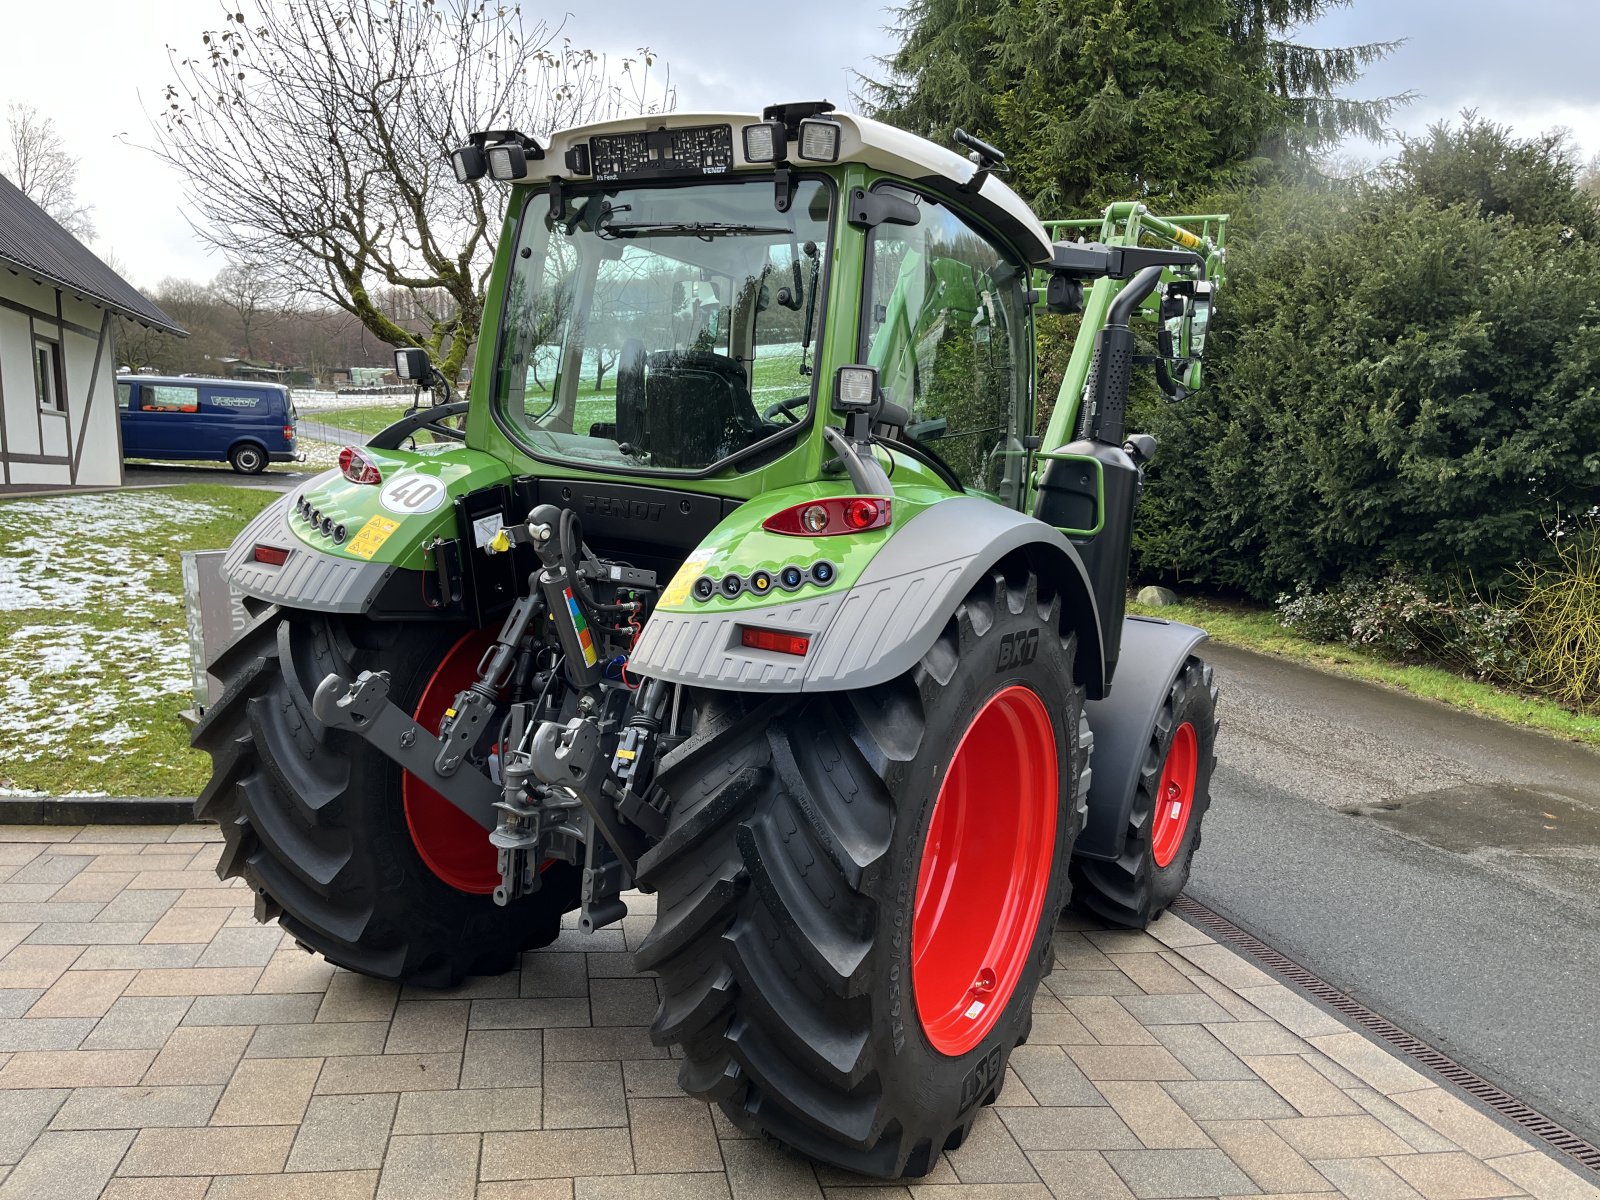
point(412, 364)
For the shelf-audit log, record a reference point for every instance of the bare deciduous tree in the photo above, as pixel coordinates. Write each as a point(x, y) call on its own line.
point(1589, 177)
point(314, 135)
point(252, 292)
point(40, 166)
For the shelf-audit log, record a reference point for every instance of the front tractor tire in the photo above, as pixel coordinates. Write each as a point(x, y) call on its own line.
point(1171, 801)
point(353, 856)
point(857, 890)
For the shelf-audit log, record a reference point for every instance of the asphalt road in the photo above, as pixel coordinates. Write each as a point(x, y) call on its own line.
point(1441, 868)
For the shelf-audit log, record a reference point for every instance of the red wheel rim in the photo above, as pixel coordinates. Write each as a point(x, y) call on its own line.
point(1175, 795)
point(986, 865)
point(454, 846)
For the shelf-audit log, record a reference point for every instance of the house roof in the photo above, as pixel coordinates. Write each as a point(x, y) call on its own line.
point(34, 244)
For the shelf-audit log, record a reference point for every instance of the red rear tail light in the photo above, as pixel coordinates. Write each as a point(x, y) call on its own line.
point(771, 639)
point(273, 556)
point(357, 467)
point(836, 514)
point(288, 433)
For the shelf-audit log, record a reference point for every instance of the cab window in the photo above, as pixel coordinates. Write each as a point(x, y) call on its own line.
point(950, 329)
point(124, 395)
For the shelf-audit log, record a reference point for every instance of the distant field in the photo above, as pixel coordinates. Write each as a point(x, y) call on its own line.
point(365, 418)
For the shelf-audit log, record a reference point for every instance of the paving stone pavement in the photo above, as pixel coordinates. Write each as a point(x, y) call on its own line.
point(157, 1044)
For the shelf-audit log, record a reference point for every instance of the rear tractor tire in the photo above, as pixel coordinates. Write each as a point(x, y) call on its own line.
point(857, 890)
point(1173, 795)
point(355, 857)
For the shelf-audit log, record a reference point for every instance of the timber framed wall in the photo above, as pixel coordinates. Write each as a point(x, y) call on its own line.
point(74, 438)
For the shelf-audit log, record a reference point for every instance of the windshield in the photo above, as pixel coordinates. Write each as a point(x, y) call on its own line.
point(663, 328)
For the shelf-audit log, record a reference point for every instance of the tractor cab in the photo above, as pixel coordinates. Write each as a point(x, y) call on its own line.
point(682, 291)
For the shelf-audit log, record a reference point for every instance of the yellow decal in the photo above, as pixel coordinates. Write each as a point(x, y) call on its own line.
point(678, 590)
point(371, 536)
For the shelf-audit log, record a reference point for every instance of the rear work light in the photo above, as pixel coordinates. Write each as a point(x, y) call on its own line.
point(836, 514)
point(779, 643)
point(273, 556)
point(357, 467)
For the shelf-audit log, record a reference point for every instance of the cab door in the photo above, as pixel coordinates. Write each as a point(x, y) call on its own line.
point(135, 427)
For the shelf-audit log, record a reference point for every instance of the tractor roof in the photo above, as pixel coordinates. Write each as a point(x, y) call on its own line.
point(882, 147)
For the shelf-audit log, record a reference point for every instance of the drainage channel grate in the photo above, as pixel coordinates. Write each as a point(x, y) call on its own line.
point(1554, 1135)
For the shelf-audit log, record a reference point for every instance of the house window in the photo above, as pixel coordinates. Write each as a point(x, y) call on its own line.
point(47, 375)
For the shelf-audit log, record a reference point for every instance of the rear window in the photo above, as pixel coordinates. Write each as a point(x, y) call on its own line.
point(167, 397)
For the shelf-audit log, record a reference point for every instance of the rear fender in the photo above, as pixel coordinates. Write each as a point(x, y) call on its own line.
point(377, 568)
point(1153, 652)
point(889, 616)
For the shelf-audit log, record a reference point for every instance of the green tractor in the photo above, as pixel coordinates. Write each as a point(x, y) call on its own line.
point(746, 581)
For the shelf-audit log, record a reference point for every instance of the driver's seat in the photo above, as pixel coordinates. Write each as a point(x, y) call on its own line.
point(697, 409)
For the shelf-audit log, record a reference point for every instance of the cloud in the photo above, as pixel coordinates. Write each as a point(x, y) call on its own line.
point(96, 66)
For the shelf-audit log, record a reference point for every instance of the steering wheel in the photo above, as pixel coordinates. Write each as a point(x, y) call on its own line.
point(787, 409)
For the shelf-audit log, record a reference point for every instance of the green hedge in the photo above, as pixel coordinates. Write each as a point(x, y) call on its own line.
point(1405, 375)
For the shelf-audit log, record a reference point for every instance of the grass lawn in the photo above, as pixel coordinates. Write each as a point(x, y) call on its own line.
point(97, 644)
point(1255, 629)
point(364, 418)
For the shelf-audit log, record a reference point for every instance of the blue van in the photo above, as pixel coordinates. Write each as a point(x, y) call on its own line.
point(221, 420)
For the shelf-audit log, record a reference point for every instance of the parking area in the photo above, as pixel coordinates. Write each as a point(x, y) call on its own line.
point(155, 1042)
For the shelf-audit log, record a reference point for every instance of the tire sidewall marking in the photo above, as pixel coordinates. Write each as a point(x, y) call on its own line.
point(982, 680)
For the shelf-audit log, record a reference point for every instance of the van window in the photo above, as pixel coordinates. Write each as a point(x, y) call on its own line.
point(167, 397)
point(124, 395)
point(235, 400)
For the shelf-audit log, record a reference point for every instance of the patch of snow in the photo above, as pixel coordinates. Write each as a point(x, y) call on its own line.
point(60, 679)
point(57, 549)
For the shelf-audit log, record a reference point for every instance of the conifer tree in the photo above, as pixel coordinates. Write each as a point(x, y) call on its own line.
point(1104, 99)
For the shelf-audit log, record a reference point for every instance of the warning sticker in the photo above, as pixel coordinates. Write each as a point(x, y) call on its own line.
point(371, 536)
point(484, 529)
point(678, 590)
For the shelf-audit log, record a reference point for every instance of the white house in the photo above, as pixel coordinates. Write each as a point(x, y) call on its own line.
point(58, 395)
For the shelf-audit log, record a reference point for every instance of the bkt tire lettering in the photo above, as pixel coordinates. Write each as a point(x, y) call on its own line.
point(1018, 649)
point(984, 1076)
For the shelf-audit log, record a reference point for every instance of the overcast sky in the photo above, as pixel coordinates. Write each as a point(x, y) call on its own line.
point(95, 66)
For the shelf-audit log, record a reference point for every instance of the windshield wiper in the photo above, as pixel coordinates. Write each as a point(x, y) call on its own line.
point(700, 229)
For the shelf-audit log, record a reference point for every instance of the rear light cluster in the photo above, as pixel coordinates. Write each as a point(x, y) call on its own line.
point(320, 521)
point(357, 467)
point(834, 515)
point(760, 583)
point(288, 433)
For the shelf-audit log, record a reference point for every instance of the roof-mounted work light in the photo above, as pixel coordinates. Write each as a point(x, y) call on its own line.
point(765, 142)
point(502, 153)
point(468, 163)
point(507, 161)
point(819, 140)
